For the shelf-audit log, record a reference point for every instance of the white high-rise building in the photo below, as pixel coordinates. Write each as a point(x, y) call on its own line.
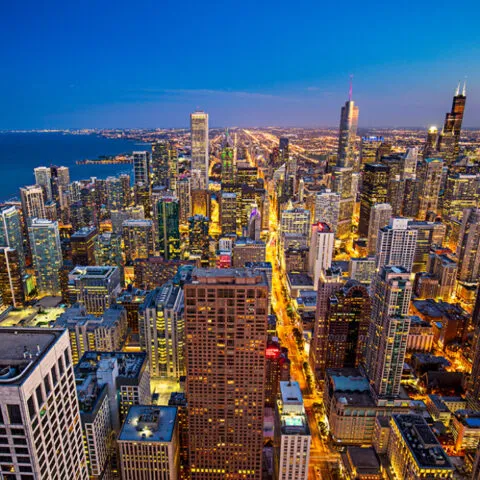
point(38, 406)
point(33, 203)
point(200, 147)
point(322, 245)
point(295, 220)
point(327, 208)
point(396, 244)
point(162, 331)
point(380, 215)
point(43, 177)
point(292, 434)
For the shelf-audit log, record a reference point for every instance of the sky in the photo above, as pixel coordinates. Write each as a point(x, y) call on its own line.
point(146, 64)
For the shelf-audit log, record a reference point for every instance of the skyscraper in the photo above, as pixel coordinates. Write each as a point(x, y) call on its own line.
point(200, 147)
point(11, 234)
point(141, 168)
point(369, 149)
point(430, 147)
point(430, 172)
point(226, 332)
point(374, 191)
point(228, 213)
point(40, 380)
point(322, 244)
point(46, 255)
point(160, 171)
point(348, 133)
point(396, 244)
point(388, 330)
point(295, 220)
point(83, 246)
point(292, 434)
point(33, 203)
point(138, 239)
point(184, 199)
point(468, 248)
point(448, 140)
point(43, 177)
point(461, 192)
point(168, 228)
point(327, 208)
point(228, 158)
point(380, 215)
point(199, 240)
point(11, 284)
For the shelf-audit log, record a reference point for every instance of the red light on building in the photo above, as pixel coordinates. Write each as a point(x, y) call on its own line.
point(272, 352)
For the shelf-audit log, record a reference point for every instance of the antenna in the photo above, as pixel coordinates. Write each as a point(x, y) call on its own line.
point(464, 91)
point(351, 88)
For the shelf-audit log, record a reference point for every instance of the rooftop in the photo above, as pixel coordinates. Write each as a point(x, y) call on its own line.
point(21, 349)
point(364, 460)
point(236, 276)
point(300, 279)
point(92, 272)
point(421, 441)
point(149, 424)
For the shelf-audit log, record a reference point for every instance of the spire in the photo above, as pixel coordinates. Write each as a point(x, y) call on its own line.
point(457, 91)
point(350, 90)
point(464, 90)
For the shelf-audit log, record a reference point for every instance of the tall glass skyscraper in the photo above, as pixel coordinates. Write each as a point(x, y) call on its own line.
point(200, 155)
point(168, 228)
point(11, 232)
point(46, 255)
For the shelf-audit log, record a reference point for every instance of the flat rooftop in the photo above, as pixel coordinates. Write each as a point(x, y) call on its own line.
point(421, 441)
point(364, 460)
point(92, 272)
point(291, 393)
point(21, 349)
point(149, 424)
point(300, 279)
point(236, 276)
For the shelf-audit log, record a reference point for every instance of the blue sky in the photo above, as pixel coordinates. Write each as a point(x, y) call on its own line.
point(150, 63)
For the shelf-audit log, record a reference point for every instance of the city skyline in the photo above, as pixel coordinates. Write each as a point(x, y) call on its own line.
point(88, 73)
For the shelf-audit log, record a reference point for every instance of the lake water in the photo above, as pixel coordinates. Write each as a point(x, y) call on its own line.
point(20, 153)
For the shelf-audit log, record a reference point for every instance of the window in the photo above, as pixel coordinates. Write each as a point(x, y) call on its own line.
point(14, 414)
point(67, 357)
point(38, 392)
point(48, 387)
point(31, 407)
point(61, 368)
point(54, 375)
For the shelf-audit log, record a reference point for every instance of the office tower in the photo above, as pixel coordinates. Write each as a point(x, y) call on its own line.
point(369, 149)
point(148, 444)
point(184, 199)
point(201, 202)
point(468, 247)
point(254, 224)
point(120, 216)
point(410, 160)
point(292, 434)
point(200, 150)
point(179, 400)
point(396, 244)
point(51, 211)
point(60, 182)
point(327, 208)
point(150, 272)
point(247, 250)
point(105, 333)
point(143, 197)
point(226, 372)
point(430, 172)
point(348, 133)
point(94, 287)
point(46, 255)
point(461, 192)
point(380, 215)
point(295, 220)
point(342, 184)
point(198, 239)
point(83, 246)
point(362, 270)
point(374, 191)
point(11, 232)
point(39, 379)
point(108, 249)
point(347, 324)
point(448, 140)
point(429, 234)
point(228, 159)
point(388, 330)
point(160, 171)
point(138, 239)
point(414, 451)
point(126, 375)
point(162, 331)
point(168, 228)
point(117, 197)
point(43, 178)
point(228, 213)
point(443, 268)
point(11, 278)
point(141, 168)
point(322, 245)
point(430, 148)
point(33, 203)
point(283, 150)
point(277, 370)
point(330, 281)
